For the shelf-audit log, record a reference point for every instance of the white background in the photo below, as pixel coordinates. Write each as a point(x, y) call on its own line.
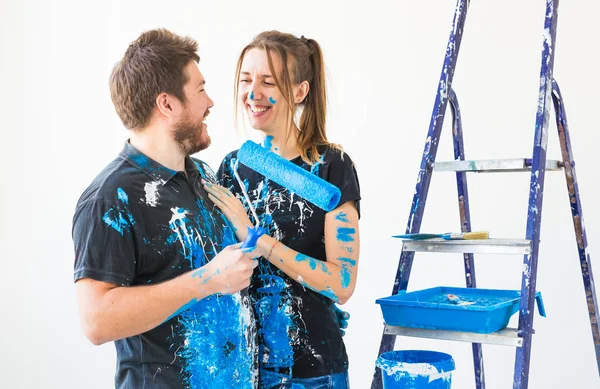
point(59, 130)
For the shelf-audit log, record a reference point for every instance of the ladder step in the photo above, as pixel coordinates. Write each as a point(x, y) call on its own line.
point(493, 165)
point(475, 246)
point(505, 337)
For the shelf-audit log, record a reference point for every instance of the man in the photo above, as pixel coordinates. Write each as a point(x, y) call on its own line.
point(155, 269)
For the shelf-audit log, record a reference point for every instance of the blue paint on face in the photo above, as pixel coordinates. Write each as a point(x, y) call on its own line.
point(341, 216)
point(122, 195)
point(272, 100)
point(312, 262)
point(268, 144)
point(252, 95)
point(344, 234)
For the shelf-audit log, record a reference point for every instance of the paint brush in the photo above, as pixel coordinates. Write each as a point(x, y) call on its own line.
point(447, 236)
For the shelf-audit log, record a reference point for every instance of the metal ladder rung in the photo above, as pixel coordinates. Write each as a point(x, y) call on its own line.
point(475, 246)
point(504, 337)
point(493, 165)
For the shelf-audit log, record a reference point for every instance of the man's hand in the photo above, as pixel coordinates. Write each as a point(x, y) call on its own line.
point(228, 272)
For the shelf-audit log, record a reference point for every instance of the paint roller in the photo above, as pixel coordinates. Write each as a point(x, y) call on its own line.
point(290, 176)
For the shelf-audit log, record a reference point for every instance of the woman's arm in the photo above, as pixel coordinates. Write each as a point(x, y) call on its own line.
point(334, 278)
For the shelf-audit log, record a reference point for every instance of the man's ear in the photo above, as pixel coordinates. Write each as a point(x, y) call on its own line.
point(165, 104)
point(300, 92)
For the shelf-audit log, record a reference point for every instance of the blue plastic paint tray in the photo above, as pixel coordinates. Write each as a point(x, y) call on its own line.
point(455, 309)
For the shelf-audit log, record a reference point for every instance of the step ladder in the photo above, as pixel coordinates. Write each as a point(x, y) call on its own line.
point(520, 337)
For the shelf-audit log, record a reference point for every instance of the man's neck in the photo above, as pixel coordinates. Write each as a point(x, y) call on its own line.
point(157, 144)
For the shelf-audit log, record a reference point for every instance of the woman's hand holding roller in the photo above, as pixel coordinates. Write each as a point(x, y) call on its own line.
point(230, 206)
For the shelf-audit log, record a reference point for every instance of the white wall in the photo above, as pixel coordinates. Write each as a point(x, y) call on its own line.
point(59, 129)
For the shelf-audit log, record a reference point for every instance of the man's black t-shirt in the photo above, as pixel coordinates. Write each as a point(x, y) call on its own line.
point(298, 331)
point(140, 223)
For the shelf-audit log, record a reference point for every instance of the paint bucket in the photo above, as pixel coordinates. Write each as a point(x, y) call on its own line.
point(416, 369)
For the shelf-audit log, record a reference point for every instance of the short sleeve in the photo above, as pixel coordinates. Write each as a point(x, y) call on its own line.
point(341, 172)
point(105, 247)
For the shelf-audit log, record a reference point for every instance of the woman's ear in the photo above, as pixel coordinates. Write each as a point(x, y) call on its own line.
point(300, 92)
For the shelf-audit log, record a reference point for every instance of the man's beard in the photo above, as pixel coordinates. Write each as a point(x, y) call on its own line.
point(189, 136)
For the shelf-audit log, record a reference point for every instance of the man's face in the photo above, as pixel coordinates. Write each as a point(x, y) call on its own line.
point(190, 131)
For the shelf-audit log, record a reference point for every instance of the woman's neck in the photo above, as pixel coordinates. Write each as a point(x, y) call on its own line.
point(283, 144)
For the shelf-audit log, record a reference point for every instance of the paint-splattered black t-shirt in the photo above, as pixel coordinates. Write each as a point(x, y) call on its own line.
point(298, 331)
point(140, 223)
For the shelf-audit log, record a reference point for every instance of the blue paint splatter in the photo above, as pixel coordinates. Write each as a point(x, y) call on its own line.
point(345, 276)
point(252, 95)
point(312, 262)
point(272, 100)
point(350, 261)
point(297, 386)
point(119, 220)
point(329, 293)
point(122, 195)
point(273, 311)
point(268, 144)
point(344, 234)
point(341, 216)
point(314, 169)
point(345, 273)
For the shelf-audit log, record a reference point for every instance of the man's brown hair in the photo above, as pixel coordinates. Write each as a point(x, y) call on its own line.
point(154, 63)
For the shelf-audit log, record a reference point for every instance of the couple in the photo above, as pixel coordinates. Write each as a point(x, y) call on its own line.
point(158, 267)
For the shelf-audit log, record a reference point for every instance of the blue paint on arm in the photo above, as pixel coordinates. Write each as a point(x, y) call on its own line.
point(272, 100)
point(350, 261)
point(341, 216)
point(345, 273)
point(312, 262)
point(344, 234)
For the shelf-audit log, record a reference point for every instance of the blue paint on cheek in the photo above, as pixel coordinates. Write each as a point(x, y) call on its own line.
point(344, 234)
point(252, 95)
point(341, 216)
point(122, 195)
point(268, 144)
point(272, 100)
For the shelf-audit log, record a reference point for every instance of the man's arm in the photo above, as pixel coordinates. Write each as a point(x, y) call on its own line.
point(110, 312)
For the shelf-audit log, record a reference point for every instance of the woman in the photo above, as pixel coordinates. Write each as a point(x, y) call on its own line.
point(310, 256)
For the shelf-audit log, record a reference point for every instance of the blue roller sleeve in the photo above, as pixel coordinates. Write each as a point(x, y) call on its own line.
point(252, 237)
point(304, 184)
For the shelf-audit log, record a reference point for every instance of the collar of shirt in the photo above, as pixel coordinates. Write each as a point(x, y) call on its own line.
point(152, 168)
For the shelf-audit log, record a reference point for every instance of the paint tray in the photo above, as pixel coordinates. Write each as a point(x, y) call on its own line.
point(454, 309)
